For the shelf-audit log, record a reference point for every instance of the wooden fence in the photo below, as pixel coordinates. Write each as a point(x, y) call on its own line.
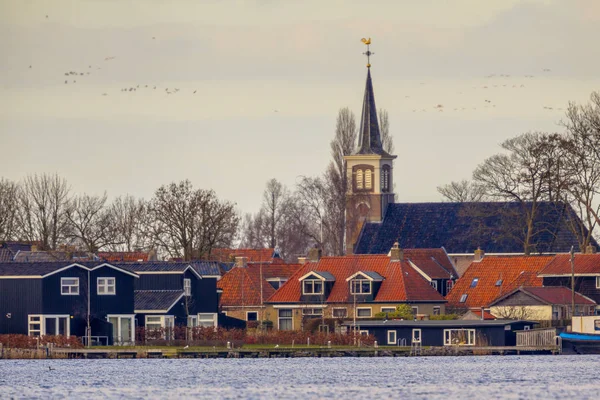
point(537, 338)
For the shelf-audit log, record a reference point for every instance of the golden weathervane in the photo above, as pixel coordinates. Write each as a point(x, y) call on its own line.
point(368, 53)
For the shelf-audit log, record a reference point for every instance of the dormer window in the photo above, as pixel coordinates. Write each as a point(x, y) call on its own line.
point(359, 179)
point(312, 286)
point(360, 286)
point(368, 180)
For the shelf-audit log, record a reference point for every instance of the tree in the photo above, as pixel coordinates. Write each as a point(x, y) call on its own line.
point(43, 203)
point(130, 219)
point(274, 197)
point(8, 209)
point(90, 222)
point(387, 140)
point(462, 192)
point(252, 232)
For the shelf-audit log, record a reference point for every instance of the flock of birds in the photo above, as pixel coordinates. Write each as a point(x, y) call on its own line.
point(487, 103)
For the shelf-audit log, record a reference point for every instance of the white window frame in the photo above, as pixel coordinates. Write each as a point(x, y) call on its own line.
point(187, 287)
point(312, 311)
point(434, 284)
point(364, 308)
point(42, 323)
point(368, 179)
point(312, 282)
point(105, 285)
point(448, 337)
point(339, 308)
point(359, 179)
point(392, 337)
point(205, 318)
point(360, 282)
point(192, 321)
point(165, 321)
point(420, 339)
point(70, 286)
point(438, 309)
point(364, 332)
point(252, 312)
point(463, 298)
point(121, 317)
point(449, 285)
point(387, 309)
point(279, 318)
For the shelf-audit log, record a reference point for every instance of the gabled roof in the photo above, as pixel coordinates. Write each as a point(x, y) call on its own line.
point(435, 263)
point(323, 275)
point(585, 264)
point(401, 283)
point(16, 245)
point(6, 255)
point(370, 275)
point(476, 315)
point(156, 301)
point(123, 256)
point(241, 285)
point(200, 268)
point(463, 227)
point(43, 269)
point(52, 256)
point(496, 276)
point(551, 295)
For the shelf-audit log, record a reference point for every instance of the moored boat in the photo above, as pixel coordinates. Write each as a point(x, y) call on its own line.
point(584, 337)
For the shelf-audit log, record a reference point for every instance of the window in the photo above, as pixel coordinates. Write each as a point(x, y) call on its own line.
point(436, 311)
point(415, 310)
point(69, 286)
point(368, 179)
point(416, 336)
point(35, 325)
point(154, 322)
point(286, 322)
point(251, 316)
point(598, 282)
point(364, 332)
point(499, 282)
point(312, 286)
point(40, 325)
point(434, 284)
point(363, 312)
point(276, 283)
point(474, 282)
point(385, 178)
point(312, 311)
point(449, 285)
point(187, 287)
point(388, 309)
point(463, 298)
point(340, 312)
point(360, 286)
point(207, 320)
point(359, 179)
point(192, 321)
point(106, 286)
point(123, 327)
point(460, 337)
point(391, 337)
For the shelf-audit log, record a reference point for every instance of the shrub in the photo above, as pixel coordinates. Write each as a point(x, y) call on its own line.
point(444, 317)
point(32, 342)
point(403, 311)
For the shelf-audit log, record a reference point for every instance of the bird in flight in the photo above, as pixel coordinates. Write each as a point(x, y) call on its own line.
point(110, 58)
point(194, 92)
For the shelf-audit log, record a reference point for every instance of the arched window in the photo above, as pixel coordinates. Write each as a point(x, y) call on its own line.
point(368, 183)
point(385, 178)
point(359, 179)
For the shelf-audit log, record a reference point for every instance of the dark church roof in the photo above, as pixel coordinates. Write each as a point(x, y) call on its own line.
point(495, 227)
point(369, 139)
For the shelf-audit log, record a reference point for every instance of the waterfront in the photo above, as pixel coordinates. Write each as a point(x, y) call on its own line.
point(417, 377)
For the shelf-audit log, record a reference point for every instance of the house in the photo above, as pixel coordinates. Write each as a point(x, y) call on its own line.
point(374, 221)
point(586, 268)
point(434, 265)
point(127, 256)
point(37, 256)
point(487, 279)
point(52, 298)
point(268, 255)
point(356, 286)
point(247, 286)
point(170, 294)
point(541, 303)
point(477, 315)
point(443, 332)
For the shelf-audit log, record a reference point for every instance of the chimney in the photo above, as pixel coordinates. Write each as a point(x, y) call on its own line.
point(396, 254)
point(314, 254)
point(241, 262)
point(34, 247)
point(479, 254)
point(302, 260)
point(590, 249)
point(152, 256)
point(482, 314)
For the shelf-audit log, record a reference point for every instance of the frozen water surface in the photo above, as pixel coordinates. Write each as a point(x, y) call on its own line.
point(517, 377)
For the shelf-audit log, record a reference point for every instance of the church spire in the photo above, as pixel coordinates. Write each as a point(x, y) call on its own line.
point(369, 139)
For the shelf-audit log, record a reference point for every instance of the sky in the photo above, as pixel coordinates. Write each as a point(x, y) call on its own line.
point(247, 91)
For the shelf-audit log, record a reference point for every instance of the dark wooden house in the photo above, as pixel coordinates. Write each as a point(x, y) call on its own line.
point(443, 332)
point(53, 298)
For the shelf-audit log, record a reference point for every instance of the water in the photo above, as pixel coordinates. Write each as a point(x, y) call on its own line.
point(517, 377)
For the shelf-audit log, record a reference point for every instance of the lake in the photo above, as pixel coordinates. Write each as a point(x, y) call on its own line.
point(314, 378)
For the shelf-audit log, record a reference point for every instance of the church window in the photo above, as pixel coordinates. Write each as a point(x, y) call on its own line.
point(368, 179)
point(385, 179)
point(359, 179)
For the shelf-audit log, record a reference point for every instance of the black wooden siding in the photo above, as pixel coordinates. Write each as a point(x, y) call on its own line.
point(159, 282)
point(19, 297)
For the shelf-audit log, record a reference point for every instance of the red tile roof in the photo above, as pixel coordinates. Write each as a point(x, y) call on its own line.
point(433, 262)
point(551, 295)
point(124, 256)
point(561, 265)
point(486, 314)
point(241, 285)
point(508, 272)
point(402, 283)
point(253, 255)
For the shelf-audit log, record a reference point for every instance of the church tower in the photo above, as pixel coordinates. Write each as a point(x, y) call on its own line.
point(369, 170)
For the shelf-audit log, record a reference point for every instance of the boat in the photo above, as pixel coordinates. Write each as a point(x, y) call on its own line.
point(584, 337)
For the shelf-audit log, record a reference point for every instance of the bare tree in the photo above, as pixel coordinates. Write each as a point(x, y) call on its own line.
point(130, 218)
point(252, 232)
point(90, 222)
point(43, 204)
point(8, 209)
point(274, 197)
point(387, 140)
point(462, 192)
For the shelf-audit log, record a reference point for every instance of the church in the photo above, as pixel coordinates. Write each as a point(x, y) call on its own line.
point(467, 231)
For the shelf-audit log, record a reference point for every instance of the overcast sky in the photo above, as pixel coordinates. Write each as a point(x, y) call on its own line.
point(269, 78)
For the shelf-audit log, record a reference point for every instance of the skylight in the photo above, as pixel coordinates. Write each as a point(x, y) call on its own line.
point(474, 282)
point(463, 298)
point(499, 282)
